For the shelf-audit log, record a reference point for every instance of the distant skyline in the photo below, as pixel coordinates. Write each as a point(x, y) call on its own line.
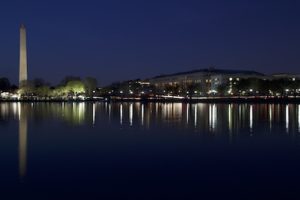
point(120, 40)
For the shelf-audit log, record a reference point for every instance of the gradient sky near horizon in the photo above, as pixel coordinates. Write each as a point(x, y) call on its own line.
point(119, 40)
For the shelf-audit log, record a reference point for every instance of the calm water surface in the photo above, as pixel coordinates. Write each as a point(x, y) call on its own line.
point(149, 151)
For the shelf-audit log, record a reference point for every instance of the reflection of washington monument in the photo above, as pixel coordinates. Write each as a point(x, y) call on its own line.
point(22, 140)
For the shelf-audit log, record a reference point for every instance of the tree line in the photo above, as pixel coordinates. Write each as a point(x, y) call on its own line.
point(69, 86)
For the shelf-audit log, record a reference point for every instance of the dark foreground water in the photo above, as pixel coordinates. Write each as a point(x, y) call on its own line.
point(149, 151)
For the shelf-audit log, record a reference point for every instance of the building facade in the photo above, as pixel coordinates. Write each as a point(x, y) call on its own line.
point(207, 79)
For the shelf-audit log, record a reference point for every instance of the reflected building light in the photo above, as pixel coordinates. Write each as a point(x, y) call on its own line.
point(230, 117)
point(130, 114)
point(177, 111)
point(169, 110)
point(187, 113)
point(195, 115)
point(212, 116)
point(19, 109)
point(240, 114)
point(299, 118)
point(4, 109)
point(251, 117)
point(94, 113)
point(121, 114)
point(109, 111)
point(81, 110)
point(142, 114)
point(15, 109)
point(287, 118)
point(164, 111)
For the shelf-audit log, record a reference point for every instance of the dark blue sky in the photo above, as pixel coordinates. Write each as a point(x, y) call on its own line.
point(118, 40)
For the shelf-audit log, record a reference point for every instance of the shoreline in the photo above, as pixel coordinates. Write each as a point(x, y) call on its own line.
point(172, 100)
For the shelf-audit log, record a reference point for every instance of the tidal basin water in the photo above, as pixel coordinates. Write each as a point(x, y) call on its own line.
point(149, 151)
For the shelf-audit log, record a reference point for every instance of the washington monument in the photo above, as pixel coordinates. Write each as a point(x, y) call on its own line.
point(23, 55)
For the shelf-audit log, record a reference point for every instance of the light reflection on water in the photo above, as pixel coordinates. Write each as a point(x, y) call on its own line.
point(130, 114)
point(207, 117)
point(299, 118)
point(224, 119)
point(287, 118)
point(251, 118)
point(22, 141)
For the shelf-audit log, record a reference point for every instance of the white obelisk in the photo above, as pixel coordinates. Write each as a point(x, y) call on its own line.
point(23, 55)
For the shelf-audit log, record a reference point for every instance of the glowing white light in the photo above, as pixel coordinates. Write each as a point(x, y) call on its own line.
point(215, 91)
point(251, 118)
point(130, 114)
point(81, 97)
point(251, 90)
point(15, 96)
point(230, 79)
point(4, 94)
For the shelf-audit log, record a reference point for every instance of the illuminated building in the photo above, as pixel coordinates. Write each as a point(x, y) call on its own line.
point(208, 79)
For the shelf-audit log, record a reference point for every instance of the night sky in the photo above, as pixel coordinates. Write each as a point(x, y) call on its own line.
point(118, 40)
